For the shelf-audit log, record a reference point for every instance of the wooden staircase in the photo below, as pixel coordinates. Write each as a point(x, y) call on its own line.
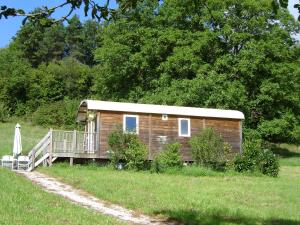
point(42, 153)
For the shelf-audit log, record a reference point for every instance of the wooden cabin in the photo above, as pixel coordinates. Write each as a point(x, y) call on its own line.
point(155, 125)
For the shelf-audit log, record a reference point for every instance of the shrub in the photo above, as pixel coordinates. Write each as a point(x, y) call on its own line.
point(249, 160)
point(135, 154)
point(169, 157)
point(117, 146)
point(126, 148)
point(255, 158)
point(269, 163)
point(209, 149)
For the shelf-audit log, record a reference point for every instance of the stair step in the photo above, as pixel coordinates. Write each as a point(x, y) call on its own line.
point(54, 158)
point(41, 159)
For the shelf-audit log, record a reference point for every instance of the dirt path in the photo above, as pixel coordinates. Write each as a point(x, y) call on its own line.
point(82, 198)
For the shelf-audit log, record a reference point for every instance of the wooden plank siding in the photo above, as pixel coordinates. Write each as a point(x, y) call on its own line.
point(151, 127)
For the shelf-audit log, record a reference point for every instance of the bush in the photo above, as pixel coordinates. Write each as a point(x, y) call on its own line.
point(269, 163)
point(126, 148)
point(255, 158)
point(249, 160)
point(209, 149)
point(135, 154)
point(169, 157)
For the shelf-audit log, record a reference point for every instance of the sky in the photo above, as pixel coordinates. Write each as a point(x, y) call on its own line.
point(9, 27)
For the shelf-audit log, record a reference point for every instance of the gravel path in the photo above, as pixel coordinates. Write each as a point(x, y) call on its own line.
point(82, 198)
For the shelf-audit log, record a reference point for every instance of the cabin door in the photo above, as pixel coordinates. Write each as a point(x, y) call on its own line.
point(91, 134)
point(90, 139)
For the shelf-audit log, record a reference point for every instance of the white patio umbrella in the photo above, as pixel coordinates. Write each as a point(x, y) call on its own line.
point(17, 141)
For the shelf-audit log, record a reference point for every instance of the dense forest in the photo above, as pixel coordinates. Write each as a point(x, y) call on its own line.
point(226, 54)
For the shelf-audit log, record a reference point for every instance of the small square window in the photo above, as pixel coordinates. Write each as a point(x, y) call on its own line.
point(131, 124)
point(184, 127)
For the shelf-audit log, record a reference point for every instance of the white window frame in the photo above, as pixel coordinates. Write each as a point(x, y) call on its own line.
point(137, 123)
point(179, 127)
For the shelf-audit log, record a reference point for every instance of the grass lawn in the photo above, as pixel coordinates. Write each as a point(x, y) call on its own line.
point(198, 196)
point(191, 196)
point(25, 203)
point(31, 135)
point(289, 154)
point(194, 200)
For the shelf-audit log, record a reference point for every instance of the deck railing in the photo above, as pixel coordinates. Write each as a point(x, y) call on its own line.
point(74, 142)
point(59, 143)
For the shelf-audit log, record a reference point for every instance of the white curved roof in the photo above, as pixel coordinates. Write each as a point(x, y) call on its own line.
point(158, 109)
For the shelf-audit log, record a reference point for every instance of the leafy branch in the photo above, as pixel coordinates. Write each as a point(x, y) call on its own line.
point(43, 16)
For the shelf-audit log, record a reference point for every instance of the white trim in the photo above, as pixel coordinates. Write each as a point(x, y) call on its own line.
point(241, 137)
point(179, 127)
point(137, 123)
point(155, 109)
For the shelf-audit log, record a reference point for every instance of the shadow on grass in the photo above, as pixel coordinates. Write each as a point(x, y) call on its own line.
point(284, 152)
point(219, 217)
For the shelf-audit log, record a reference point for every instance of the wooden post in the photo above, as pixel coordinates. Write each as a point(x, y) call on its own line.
point(74, 142)
point(71, 161)
point(50, 147)
point(45, 152)
point(33, 160)
point(150, 135)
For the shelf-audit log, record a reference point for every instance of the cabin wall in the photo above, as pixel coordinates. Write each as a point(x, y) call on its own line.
point(153, 131)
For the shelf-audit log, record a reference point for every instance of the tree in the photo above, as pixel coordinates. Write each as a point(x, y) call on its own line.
point(74, 38)
point(58, 80)
point(226, 54)
point(41, 44)
point(14, 72)
point(204, 56)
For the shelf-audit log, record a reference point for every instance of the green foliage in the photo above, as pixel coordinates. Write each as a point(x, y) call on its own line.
point(249, 160)
point(118, 142)
point(135, 154)
point(60, 113)
point(169, 157)
point(4, 112)
point(269, 163)
point(256, 158)
point(209, 149)
point(126, 148)
point(40, 44)
point(277, 129)
point(219, 54)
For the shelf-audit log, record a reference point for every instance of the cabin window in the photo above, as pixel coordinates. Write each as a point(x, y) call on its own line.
point(184, 127)
point(131, 124)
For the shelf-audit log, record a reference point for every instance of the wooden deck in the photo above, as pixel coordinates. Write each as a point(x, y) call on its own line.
point(66, 144)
